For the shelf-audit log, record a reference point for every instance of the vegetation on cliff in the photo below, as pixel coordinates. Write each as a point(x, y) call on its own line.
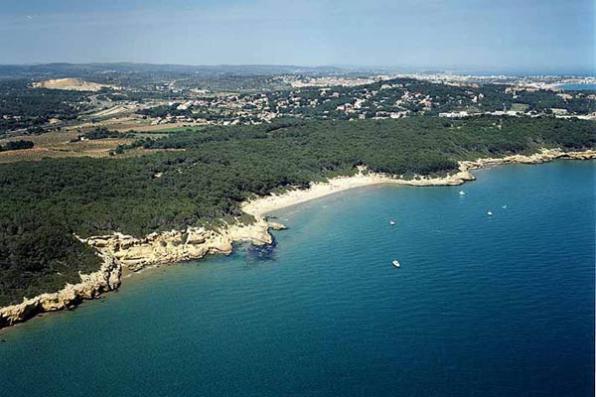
point(43, 204)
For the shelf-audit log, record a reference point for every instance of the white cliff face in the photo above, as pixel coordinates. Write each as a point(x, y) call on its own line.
point(543, 156)
point(122, 252)
point(107, 278)
point(177, 246)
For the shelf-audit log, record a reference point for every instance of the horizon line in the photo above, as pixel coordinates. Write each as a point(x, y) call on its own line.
point(456, 69)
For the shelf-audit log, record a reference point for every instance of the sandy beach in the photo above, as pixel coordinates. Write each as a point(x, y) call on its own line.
point(260, 206)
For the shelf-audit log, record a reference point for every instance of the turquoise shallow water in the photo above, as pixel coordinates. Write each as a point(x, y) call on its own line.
point(482, 306)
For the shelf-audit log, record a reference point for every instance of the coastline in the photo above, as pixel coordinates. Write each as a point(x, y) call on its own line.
point(107, 278)
point(122, 253)
point(260, 206)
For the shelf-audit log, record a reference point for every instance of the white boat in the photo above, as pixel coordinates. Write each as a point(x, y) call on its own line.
point(489, 213)
point(392, 222)
point(462, 193)
point(395, 263)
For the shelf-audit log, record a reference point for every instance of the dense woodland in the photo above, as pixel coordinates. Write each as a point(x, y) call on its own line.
point(17, 145)
point(42, 204)
point(24, 107)
point(104, 133)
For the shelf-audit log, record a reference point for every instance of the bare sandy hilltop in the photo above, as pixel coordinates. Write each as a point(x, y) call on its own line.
point(71, 84)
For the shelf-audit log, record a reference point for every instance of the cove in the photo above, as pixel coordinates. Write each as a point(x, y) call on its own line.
point(482, 305)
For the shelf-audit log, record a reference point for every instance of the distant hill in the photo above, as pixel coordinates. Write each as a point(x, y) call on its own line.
point(68, 70)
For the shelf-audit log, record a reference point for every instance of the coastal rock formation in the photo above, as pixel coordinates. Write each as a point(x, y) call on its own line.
point(107, 278)
point(176, 245)
point(122, 252)
point(277, 226)
point(543, 156)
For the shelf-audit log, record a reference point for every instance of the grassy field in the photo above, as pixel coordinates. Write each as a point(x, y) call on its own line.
point(58, 144)
point(519, 107)
point(193, 128)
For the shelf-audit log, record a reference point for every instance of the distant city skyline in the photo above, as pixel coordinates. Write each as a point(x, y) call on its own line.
point(462, 35)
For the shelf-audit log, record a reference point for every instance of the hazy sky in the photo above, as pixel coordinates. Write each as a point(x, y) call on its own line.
point(516, 35)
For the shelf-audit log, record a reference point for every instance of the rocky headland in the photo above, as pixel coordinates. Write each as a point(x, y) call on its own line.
point(107, 278)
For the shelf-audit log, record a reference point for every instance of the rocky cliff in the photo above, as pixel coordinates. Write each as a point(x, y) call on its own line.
point(543, 156)
point(107, 278)
point(121, 252)
point(177, 246)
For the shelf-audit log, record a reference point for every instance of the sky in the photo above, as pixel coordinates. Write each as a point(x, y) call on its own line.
point(474, 35)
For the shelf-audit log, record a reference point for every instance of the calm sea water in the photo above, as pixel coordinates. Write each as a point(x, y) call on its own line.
point(579, 87)
point(482, 306)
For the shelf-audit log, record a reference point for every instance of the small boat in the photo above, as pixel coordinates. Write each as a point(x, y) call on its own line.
point(504, 207)
point(392, 222)
point(489, 213)
point(396, 263)
point(462, 193)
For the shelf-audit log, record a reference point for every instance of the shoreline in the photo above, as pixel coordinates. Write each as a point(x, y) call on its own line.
point(123, 254)
point(261, 206)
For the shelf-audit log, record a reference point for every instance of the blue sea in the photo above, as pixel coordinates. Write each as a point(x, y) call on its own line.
point(499, 305)
point(578, 87)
